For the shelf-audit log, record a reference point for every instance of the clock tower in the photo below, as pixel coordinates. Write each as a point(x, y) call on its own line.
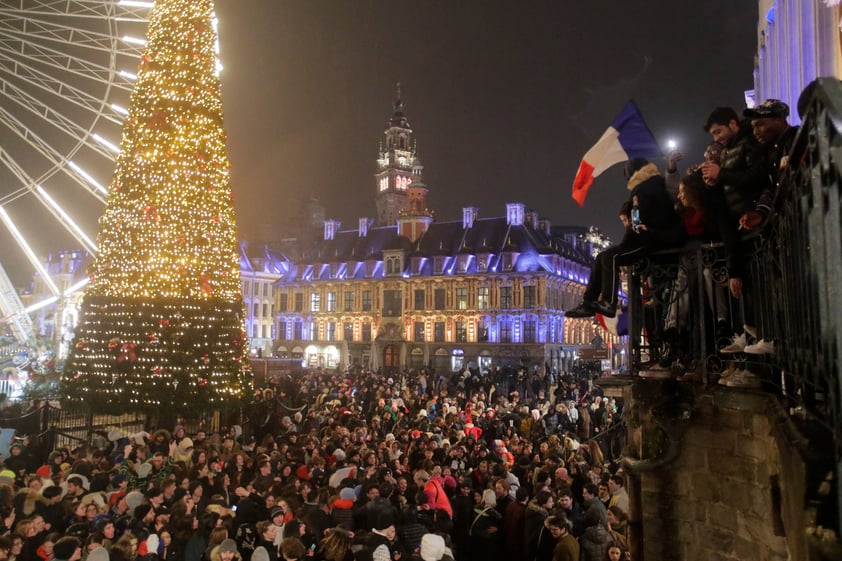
point(394, 166)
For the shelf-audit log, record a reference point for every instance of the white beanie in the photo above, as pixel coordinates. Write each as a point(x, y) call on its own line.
point(432, 547)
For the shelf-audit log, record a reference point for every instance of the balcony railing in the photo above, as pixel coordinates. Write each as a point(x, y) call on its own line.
point(793, 291)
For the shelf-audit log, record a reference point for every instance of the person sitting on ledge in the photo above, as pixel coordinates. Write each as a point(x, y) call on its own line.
point(656, 227)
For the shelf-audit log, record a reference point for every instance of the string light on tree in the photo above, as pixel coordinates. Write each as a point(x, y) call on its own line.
point(162, 322)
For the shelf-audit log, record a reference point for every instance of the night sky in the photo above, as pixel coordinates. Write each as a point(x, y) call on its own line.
point(504, 99)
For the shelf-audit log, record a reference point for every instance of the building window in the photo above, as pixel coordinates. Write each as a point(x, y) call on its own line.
point(505, 331)
point(505, 297)
point(461, 298)
point(348, 331)
point(392, 303)
point(297, 331)
point(482, 264)
point(331, 301)
point(530, 331)
point(283, 302)
point(330, 331)
point(299, 302)
point(438, 331)
point(438, 265)
point(349, 301)
point(366, 332)
point(482, 332)
point(315, 302)
point(419, 298)
point(482, 298)
point(529, 296)
point(366, 300)
point(282, 330)
point(508, 261)
point(419, 331)
point(462, 263)
point(461, 332)
point(266, 310)
point(439, 297)
point(256, 310)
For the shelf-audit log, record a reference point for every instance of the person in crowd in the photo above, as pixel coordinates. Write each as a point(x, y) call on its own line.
point(736, 183)
point(566, 547)
point(655, 226)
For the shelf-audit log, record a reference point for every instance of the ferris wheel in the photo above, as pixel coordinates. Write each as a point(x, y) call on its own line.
point(67, 68)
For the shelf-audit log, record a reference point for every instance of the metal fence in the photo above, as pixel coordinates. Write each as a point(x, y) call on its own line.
point(793, 291)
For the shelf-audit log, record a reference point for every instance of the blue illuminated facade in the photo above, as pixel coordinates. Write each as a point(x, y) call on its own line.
point(413, 292)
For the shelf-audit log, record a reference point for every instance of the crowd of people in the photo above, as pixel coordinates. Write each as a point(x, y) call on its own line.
point(732, 192)
point(355, 467)
point(374, 466)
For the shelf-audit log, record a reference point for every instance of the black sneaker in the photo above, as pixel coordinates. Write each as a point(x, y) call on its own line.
point(584, 310)
point(605, 309)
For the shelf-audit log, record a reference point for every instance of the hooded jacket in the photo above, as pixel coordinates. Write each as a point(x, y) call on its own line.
point(657, 212)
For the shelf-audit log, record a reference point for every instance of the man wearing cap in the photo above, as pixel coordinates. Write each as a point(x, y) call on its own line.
point(737, 180)
point(657, 227)
point(768, 122)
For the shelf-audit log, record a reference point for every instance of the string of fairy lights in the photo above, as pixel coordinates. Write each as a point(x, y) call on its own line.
point(162, 322)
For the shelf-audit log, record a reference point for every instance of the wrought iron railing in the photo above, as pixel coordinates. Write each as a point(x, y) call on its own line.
point(793, 291)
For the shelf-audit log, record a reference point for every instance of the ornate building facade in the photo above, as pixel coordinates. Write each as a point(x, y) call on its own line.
point(413, 292)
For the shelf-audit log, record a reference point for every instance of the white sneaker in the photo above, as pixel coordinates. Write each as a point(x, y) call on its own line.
point(762, 347)
point(744, 379)
point(751, 331)
point(729, 373)
point(738, 343)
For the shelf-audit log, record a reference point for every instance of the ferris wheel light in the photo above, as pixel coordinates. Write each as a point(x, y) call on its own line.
point(110, 145)
point(28, 250)
point(136, 4)
point(87, 177)
point(42, 304)
point(133, 40)
point(80, 235)
point(119, 109)
point(128, 75)
point(76, 287)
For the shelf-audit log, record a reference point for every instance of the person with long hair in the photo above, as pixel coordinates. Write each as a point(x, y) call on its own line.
point(124, 549)
point(336, 545)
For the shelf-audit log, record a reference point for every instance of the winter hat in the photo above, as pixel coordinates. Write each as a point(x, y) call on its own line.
point(432, 547)
point(347, 494)
point(117, 480)
point(383, 520)
point(228, 545)
point(44, 471)
point(65, 547)
point(276, 512)
point(141, 511)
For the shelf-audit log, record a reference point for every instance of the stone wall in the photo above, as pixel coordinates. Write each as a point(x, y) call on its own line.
point(727, 495)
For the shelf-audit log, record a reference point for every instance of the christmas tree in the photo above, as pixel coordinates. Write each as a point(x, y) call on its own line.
point(161, 326)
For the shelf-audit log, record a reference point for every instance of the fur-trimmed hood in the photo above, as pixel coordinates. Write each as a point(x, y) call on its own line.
point(646, 172)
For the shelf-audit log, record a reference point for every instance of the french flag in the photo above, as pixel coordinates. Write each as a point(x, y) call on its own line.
point(628, 137)
point(618, 325)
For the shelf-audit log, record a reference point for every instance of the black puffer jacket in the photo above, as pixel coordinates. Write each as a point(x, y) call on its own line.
point(743, 174)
